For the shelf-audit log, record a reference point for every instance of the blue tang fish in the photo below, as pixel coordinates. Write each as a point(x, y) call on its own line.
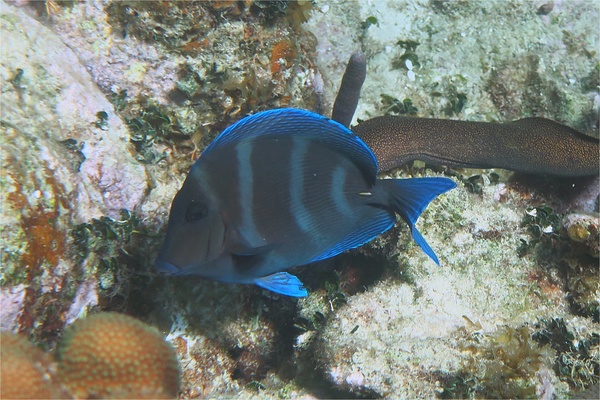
point(284, 188)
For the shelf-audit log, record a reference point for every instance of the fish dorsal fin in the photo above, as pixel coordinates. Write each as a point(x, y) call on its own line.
point(545, 124)
point(290, 121)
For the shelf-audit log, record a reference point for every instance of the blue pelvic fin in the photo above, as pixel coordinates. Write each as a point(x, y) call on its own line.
point(282, 283)
point(409, 197)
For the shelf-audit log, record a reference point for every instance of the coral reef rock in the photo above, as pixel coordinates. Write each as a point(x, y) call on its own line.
point(65, 159)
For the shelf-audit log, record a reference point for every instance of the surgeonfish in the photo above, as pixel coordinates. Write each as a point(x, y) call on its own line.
point(284, 188)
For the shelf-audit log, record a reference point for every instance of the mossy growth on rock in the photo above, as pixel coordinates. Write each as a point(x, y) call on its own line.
point(105, 248)
point(502, 364)
point(577, 360)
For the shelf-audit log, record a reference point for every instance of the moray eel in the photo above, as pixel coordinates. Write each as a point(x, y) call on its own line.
point(530, 145)
point(349, 93)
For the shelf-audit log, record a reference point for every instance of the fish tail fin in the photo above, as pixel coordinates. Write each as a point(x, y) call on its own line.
point(409, 197)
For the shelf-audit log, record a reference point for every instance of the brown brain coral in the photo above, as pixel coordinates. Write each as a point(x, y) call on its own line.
point(110, 355)
point(25, 370)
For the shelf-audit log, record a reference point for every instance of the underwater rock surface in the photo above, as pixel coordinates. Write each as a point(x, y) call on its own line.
point(402, 335)
point(48, 99)
point(469, 60)
point(517, 292)
point(62, 165)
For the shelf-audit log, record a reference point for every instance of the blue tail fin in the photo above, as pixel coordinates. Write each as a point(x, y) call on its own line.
point(409, 197)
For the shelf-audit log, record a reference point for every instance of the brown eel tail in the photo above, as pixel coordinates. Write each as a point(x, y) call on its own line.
point(531, 145)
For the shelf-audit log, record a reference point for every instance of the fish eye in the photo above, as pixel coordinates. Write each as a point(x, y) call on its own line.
point(195, 211)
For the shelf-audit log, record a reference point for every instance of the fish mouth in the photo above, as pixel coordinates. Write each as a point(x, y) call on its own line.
point(165, 267)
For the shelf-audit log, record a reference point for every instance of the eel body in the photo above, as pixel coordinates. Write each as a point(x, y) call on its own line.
point(530, 145)
point(349, 92)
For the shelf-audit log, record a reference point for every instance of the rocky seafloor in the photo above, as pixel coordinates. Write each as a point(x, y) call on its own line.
point(106, 104)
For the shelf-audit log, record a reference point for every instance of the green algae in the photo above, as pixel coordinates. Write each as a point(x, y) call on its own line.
point(153, 124)
point(577, 361)
point(101, 248)
point(393, 106)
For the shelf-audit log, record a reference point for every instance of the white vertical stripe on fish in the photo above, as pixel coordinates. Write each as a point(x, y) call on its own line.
point(338, 193)
point(246, 197)
point(301, 215)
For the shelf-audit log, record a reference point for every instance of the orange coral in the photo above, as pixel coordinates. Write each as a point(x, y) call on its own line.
point(25, 370)
point(110, 355)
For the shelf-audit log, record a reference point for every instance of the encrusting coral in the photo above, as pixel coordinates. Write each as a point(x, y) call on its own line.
point(114, 355)
point(24, 372)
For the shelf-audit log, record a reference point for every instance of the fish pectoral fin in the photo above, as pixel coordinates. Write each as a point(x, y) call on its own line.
point(242, 250)
point(282, 283)
point(164, 267)
point(245, 257)
point(238, 245)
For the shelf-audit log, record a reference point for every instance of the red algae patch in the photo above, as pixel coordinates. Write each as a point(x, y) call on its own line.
point(111, 355)
point(282, 54)
point(25, 370)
